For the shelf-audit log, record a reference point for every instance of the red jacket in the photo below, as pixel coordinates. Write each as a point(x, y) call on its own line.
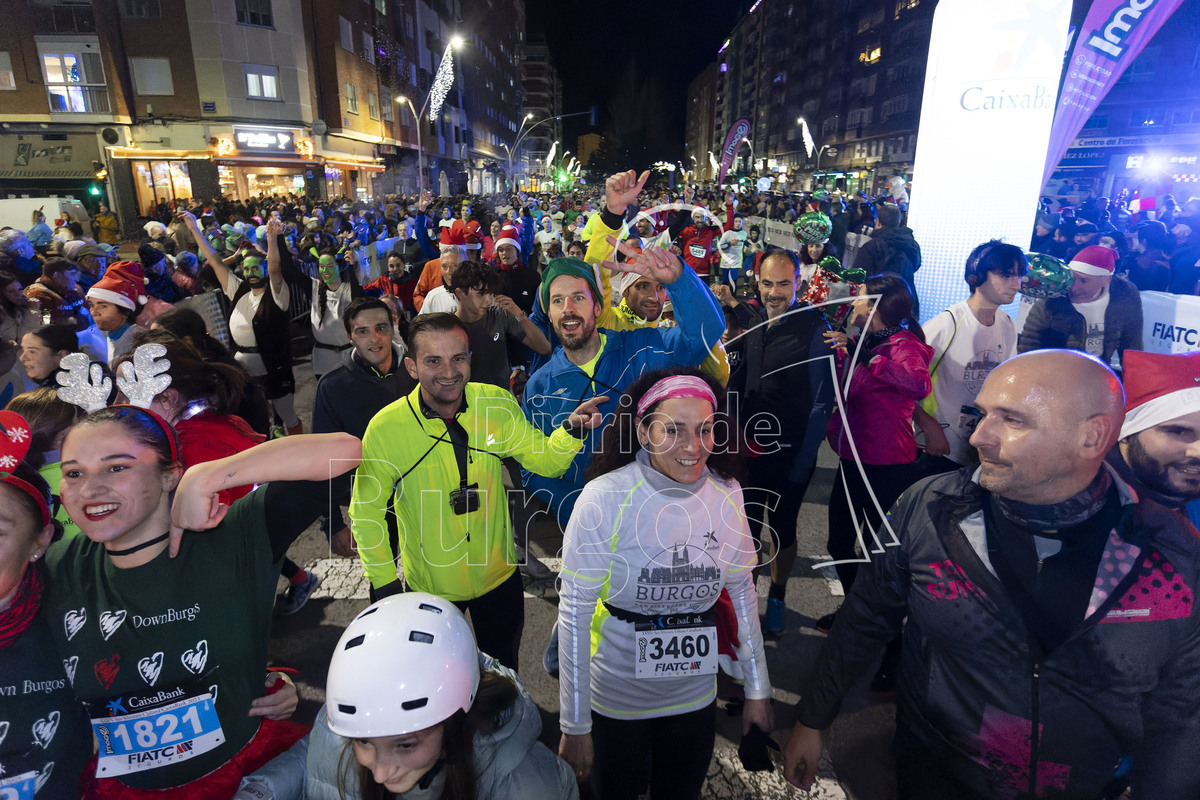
point(208, 436)
point(880, 400)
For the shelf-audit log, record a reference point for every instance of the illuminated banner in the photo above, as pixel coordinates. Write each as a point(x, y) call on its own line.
point(1111, 37)
point(733, 140)
point(985, 120)
point(264, 140)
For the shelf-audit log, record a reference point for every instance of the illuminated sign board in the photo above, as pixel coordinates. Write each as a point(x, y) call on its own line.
point(986, 115)
point(264, 140)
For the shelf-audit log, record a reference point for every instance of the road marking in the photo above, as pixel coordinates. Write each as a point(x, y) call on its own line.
point(823, 566)
point(728, 780)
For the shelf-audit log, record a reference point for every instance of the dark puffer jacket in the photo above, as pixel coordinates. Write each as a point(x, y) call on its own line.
point(1054, 323)
point(976, 693)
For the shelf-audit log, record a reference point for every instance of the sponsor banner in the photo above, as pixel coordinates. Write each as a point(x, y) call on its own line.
point(733, 140)
point(1112, 35)
point(1170, 323)
point(986, 115)
point(775, 234)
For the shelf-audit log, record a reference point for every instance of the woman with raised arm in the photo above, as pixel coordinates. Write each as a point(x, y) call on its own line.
point(169, 627)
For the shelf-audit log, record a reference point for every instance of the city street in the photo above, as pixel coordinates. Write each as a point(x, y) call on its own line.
point(859, 744)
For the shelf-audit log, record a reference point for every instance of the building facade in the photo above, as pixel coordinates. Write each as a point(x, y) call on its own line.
point(169, 100)
point(700, 124)
point(543, 102)
point(854, 73)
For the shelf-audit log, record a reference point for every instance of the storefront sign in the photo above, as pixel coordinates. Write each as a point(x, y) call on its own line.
point(34, 157)
point(263, 140)
point(986, 115)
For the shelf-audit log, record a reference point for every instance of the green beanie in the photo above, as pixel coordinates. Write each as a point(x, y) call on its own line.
point(575, 267)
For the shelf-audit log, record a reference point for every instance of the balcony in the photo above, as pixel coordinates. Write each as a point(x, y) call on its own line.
point(78, 99)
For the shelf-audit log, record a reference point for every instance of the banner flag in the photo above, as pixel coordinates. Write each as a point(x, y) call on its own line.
point(1111, 37)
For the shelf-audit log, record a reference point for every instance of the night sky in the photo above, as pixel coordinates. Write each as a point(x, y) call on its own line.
point(633, 60)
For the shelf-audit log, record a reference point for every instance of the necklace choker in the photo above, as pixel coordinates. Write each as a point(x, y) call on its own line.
point(131, 550)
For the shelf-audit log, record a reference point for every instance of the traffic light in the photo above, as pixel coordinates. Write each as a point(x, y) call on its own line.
point(94, 190)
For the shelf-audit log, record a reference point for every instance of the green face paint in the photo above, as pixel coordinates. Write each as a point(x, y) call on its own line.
point(252, 268)
point(328, 268)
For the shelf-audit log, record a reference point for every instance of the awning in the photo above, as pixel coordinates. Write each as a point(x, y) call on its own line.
point(361, 166)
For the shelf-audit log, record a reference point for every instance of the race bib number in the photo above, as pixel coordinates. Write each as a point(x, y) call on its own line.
point(19, 787)
point(151, 739)
point(697, 251)
point(674, 646)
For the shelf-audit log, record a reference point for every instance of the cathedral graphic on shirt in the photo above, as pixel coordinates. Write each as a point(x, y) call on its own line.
point(682, 577)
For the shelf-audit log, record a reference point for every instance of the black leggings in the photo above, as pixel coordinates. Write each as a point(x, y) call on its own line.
point(669, 754)
point(887, 483)
point(498, 618)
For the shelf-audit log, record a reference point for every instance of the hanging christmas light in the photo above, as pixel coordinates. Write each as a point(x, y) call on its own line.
point(442, 82)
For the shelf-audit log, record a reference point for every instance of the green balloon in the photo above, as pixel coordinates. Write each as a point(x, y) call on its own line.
point(1047, 277)
point(831, 264)
point(813, 228)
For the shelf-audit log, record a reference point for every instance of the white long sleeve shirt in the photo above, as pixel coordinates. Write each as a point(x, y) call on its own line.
point(647, 544)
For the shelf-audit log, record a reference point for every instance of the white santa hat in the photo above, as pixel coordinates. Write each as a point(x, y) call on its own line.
point(509, 235)
point(1159, 388)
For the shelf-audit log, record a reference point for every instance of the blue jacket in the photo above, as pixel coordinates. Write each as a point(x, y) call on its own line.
point(556, 388)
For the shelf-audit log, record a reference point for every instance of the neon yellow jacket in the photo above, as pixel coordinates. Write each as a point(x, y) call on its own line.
point(622, 317)
point(409, 453)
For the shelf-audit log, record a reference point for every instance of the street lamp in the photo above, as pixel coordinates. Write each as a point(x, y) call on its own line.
point(441, 83)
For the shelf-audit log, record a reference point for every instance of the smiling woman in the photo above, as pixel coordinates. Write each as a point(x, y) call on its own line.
point(173, 649)
point(659, 530)
point(44, 736)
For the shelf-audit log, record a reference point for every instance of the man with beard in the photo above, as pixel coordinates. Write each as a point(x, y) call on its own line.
point(428, 455)
point(1159, 450)
point(786, 377)
point(592, 361)
point(1047, 615)
point(258, 321)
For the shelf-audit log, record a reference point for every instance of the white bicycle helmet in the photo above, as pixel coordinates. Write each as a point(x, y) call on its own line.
point(404, 664)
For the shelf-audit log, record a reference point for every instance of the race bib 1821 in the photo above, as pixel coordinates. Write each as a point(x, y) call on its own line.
point(674, 646)
point(155, 738)
point(19, 787)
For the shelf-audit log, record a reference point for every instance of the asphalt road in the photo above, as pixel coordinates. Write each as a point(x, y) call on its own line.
point(858, 761)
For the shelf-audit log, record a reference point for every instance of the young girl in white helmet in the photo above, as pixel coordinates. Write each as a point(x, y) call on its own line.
point(414, 710)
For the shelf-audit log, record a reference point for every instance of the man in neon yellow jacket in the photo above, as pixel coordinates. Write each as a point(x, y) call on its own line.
point(435, 455)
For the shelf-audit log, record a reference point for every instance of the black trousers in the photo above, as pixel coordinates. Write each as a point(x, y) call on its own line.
point(669, 754)
point(885, 483)
point(499, 619)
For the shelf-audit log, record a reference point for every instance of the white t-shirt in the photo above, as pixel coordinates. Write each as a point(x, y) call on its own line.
point(241, 327)
point(330, 330)
point(544, 238)
point(731, 249)
point(439, 299)
point(971, 352)
point(1093, 323)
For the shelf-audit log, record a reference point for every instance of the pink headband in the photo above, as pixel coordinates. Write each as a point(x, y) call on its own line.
point(675, 386)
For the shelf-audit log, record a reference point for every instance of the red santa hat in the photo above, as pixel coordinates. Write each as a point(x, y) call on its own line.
point(509, 235)
point(453, 235)
point(472, 235)
point(123, 285)
point(1095, 260)
point(1158, 388)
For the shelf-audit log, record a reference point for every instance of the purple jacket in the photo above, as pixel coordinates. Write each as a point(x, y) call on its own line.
point(879, 401)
